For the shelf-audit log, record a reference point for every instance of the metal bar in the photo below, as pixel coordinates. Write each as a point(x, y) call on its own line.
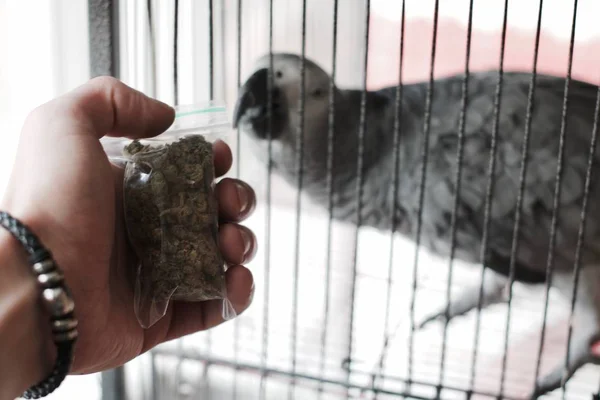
point(211, 94)
point(559, 178)
point(165, 352)
point(528, 127)
point(359, 188)
point(152, 45)
point(176, 102)
point(269, 196)
point(103, 37)
point(396, 184)
point(299, 170)
point(582, 221)
point(221, 52)
point(488, 200)
point(113, 384)
point(555, 208)
point(103, 18)
point(239, 84)
point(459, 164)
point(430, 356)
point(236, 323)
point(154, 385)
point(330, 178)
point(133, 62)
point(175, 53)
point(425, 159)
point(489, 195)
point(515, 240)
point(178, 366)
point(211, 54)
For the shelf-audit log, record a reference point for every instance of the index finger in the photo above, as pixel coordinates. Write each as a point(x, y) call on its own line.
point(223, 158)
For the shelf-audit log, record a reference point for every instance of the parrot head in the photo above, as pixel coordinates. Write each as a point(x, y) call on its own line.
point(251, 110)
point(251, 117)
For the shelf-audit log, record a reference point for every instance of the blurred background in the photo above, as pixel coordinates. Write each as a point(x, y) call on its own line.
point(44, 48)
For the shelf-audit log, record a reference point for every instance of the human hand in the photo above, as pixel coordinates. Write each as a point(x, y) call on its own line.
point(65, 189)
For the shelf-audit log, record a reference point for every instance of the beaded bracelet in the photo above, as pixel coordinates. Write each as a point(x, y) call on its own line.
point(56, 299)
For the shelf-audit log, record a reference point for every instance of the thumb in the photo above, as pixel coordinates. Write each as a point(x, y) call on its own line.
point(107, 106)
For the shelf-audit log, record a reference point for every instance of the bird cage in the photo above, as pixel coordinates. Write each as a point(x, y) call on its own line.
point(340, 303)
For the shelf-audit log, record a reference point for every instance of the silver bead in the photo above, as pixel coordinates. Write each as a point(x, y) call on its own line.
point(58, 302)
point(50, 278)
point(64, 336)
point(43, 267)
point(63, 325)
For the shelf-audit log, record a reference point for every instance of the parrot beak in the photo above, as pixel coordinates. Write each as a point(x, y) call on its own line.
point(252, 94)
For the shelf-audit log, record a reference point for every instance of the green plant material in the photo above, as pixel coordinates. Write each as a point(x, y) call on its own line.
point(171, 213)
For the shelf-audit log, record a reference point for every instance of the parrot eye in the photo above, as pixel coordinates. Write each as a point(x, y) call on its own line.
point(317, 93)
point(279, 74)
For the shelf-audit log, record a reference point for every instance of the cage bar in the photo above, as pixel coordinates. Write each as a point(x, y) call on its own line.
point(299, 168)
point(395, 185)
point(278, 372)
point(152, 46)
point(269, 197)
point(175, 52)
point(527, 130)
point(113, 384)
point(236, 323)
point(488, 199)
point(239, 84)
point(176, 16)
point(557, 191)
point(425, 159)
point(211, 94)
point(104, 37)
point(154, 376)
point(359, 191)
point(582, 222)
point(517, 225)
point(211, 51)
point(103, 19)
point(559, 178)
point(459, 163)
point(330, 178)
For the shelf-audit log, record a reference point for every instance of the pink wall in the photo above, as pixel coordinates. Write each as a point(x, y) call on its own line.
point(485, 50)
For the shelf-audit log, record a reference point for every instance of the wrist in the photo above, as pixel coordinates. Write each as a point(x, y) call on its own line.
point(25, 345)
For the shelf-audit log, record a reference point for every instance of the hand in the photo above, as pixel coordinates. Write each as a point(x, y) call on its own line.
point(64, 188)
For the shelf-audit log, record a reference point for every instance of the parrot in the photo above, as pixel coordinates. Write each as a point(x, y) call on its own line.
point(395, 130)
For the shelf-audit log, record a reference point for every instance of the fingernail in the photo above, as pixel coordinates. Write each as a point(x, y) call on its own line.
point(252, 290)
point(247, 238)
point(244, 200)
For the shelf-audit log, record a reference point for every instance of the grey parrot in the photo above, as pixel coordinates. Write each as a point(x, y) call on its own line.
point(379, 201)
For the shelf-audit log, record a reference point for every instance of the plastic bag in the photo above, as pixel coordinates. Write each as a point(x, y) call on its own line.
point(171, 212)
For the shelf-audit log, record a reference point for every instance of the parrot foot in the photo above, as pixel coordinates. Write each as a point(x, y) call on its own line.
point(468, 299)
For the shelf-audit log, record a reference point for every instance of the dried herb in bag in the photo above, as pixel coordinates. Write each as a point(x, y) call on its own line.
point(171, 214)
